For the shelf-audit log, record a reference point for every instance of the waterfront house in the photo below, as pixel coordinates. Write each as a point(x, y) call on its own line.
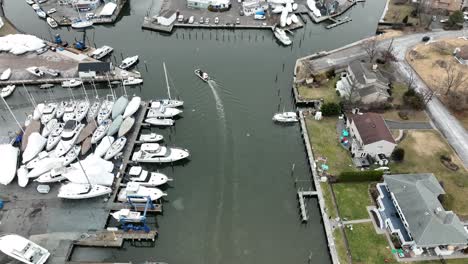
point(446, 6)
point(369, 136)
point(410, 210)
point(91, 69)
point(362, 82)
point(461, 54)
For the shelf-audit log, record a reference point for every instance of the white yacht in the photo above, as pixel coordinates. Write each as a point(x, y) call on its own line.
point(163, 112)
point(55, 175)
point(23, 249)
point(35, 71)
point(160, 121)
point(51, 11)
point(93, 111)
point(72, 83)
point(128, 62)
point(155, 153)
point(71, 155)
point(30, 2)
point(140, 176)
point(48, 113)
point(202, 75)
point(45, 165)
point(70, 133)
point(115, 148)
point(52, 23)
point(285, 117)
point(6, 74)
point(101, 131)
point(80, 23)
point(60, 109)
point(101, 52)
point(9, 158)
point(77, 191)
point(150, 138)
point(132, 81)
point(69, 111)
point(105, 144)
point(41, 13)
point(55, 136)
point(166, 103)
point(135, 189)
point(49, 127)
point(81, 110)
point(281, 36)
point(8, 90)
point(132, 106)
point(38, 111)
point(105, 110)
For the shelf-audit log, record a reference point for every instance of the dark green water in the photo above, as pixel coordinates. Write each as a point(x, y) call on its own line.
point(235, 201)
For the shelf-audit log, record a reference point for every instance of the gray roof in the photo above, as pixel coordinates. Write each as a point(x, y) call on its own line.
point(98, 66)
point(361, 69)
point(429, 224)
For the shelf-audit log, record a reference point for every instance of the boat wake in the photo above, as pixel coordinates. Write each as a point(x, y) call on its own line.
point(219, 103)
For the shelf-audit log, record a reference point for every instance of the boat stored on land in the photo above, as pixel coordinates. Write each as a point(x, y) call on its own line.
point(60, 109)
point(51, 72)
point(126, 126)
point(119, 106)
point(70, 133)
point(6, 74)
point(52, 23)
point(93, 111)
point(155, 153)
point(87, 131)
point(128, 62)
point(36, 143)
point(115, 126)
point(71, 155)
point(69, 111)
point(9, 157)
point(101, 131)
point(35, 71)
point(55, 136)
point(23, 179)
point(115, 148)
point(48, 113)
point(49, 127)
point(285, 117)
point(7, 91)
point(105, 144)
point(132, 106)
point(23, 250)
point(76, 191)
point(81, 110)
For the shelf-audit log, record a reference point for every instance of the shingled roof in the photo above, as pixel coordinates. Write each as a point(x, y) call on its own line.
point(372, 128)
point(429, 224)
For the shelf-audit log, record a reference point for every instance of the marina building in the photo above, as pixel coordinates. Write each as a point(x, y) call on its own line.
point(205, 4)
point(92, 69)
point(87, 5)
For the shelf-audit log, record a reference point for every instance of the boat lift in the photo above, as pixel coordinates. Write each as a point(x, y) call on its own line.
point(134, 220)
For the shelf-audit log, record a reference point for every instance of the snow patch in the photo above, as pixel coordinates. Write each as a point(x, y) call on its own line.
point(20, 43)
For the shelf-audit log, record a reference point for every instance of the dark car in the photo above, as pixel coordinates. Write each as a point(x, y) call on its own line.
point(426, 38)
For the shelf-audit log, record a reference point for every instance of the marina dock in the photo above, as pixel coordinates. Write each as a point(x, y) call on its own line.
point(113, 238)
point(301, 196)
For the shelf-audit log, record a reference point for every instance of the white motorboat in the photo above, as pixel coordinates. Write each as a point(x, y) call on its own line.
point(132, 106)
point(82, 191)
point(46, 86)
point(128, 62)
point(48, 113)
point(101, 52)
point(119, 107)
point(41, 1)
point(71, 155)
point(6, 74)
point(132, 81)
point(150, 138)
point(140, 176)
point(105, 144)
point(8, 90)
point(105, 111)
point(23, 250)
point(163, 112)
point(134, 189)
point(115, 126)
point(38, 111)
point(101, 131)
point(55, 136)
point(278, 9)
point(166, 103)
point(35, 7)
point(55, 175)
point(160, 121)
point(41, 13)
point(115, 148)
point(281, 36)
point(81, 110)
point(70, 133)
point(129, 216)
point(285, 117)
point(202, 75)
point(45, 165)
point(60, 109)
point(126, 126)
point(30, 2)
point(72, 83)
point(36, 143)
point(51, 11)
point(294, 19)
point(80, 23)
point(23, 179)
point(32, 164)
point(93, 111)
point(9, 158)
point(35, 71)
point(51, 72)
point(155, 153)
point(52, 23)
point(69, 111)
point(49, 127)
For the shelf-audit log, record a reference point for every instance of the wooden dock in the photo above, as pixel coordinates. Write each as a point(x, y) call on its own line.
point(301, 196)
point(113, 238)
point(338, 22)
point(117, 206)
point(39, 81)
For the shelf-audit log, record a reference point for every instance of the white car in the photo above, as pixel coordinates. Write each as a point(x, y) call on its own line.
point(216, 20)
point(180, 18)
point(201, 20)
point(191, 20)
point(238, 21)
point(90, 16)
point(207, 20)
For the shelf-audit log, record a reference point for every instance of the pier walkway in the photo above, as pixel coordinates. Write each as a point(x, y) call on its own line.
point(301, 196)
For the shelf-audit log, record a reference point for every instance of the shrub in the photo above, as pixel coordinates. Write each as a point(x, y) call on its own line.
point(403, 115)
point(338, 93)
point(330, 109)
point(360, 176)
point(330, 73)
point(414, 99)
point(455, 18)
point(398, 154)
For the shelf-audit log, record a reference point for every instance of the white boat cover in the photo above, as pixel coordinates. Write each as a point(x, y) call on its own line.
point(97, 170)
point(132, 106)
point(23, 176)
point(105, 144)
point(45, 165)
point(20, 43)
point(119, 106)
point(9, 158)
point(36, 143)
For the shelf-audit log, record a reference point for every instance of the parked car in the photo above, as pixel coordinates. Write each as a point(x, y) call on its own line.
point(426, 38)
point(207, 20)
point(90, 16)
point(445, 20)
point(201, 20)
point(237, 21)
point(241, 12)
point(216, 20)
point(191, 20)
point(180, 18)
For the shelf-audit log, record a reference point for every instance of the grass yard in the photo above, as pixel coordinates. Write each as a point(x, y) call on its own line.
point(397, 94)
point(422, 152)
point(328, 200)
point(352, 199)
point(367, 246)
point(396, 13)
point(326, 91)
point(324, 140)
point(340, 245)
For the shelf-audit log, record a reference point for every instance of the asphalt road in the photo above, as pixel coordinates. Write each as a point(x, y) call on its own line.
point(450, 127)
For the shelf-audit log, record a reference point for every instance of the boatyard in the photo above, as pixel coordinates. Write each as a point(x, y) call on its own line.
point(228, 145)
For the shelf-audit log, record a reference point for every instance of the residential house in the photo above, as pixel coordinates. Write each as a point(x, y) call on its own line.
point(409, 208)
point(461, 54)
point(363, 82)
point(369, 136)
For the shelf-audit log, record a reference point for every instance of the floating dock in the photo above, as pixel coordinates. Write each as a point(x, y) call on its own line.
point(113, 238)
point(301, 195)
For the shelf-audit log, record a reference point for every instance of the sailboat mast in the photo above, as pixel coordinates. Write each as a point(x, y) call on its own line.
point(84, 90)
point(167, 81)
point(9, 109)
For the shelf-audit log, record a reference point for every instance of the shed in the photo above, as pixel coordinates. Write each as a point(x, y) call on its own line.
point(89, 69)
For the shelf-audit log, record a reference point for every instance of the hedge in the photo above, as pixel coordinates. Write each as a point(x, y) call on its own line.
point(360, 176)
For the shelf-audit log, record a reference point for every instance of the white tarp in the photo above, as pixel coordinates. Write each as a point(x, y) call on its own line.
point(108, 9)
point(8, 158)
point(20, 43)
point(1, 22)
point(97, 170)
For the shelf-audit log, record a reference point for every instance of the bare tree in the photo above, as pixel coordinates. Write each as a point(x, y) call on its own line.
point(370, 47)
point(389, 53)
point(453, 78)
point(411, 80)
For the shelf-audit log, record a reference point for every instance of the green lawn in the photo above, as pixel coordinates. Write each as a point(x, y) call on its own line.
point(324, 140)
point(422, 152)
point(328, 200)
point(340, 245)
point(367, 246)
point(396, 13)
point(326, 91)
point(352, 199)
